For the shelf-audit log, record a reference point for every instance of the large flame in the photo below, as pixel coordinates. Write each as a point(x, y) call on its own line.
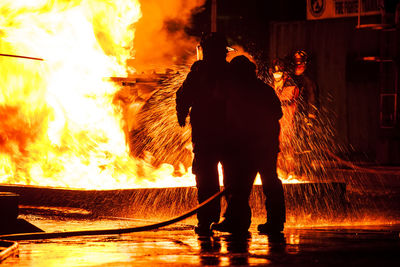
point(58, 125)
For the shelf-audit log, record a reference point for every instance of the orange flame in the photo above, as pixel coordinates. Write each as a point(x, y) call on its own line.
point(58, 125)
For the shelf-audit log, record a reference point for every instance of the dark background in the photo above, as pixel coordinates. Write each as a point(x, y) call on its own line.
point(247, 22)
point(358, 94)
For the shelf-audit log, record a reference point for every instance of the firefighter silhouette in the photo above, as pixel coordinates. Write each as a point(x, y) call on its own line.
point(252, 145)
point(203, 96)
point(305, 118)
point(307, 87)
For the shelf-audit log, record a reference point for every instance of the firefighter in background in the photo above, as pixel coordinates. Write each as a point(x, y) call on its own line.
point(203, 95)
point(306, 113)
point(307, 87)
point(288, 94)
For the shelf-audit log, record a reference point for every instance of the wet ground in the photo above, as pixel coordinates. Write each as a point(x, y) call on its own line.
point(326, 226)
point(177, 244)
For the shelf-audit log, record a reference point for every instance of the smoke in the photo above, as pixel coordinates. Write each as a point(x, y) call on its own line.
point(160, 38)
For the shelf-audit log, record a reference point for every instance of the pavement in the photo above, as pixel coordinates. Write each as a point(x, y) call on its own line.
point(364, 230)
point(346, 245)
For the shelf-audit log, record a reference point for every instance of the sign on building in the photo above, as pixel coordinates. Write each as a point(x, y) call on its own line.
point(324, 9)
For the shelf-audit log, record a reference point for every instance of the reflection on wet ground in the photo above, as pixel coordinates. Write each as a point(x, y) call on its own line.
point(178, 245)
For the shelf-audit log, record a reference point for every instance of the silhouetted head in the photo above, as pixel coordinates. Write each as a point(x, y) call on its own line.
point(242, 67)
point(214, 46)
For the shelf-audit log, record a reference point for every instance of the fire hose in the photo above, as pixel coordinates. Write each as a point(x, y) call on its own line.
point(36, 236)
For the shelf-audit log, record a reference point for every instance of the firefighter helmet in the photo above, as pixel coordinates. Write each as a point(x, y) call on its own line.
point(300, 57)
point(242, 66)
point(214, 41)
point(278, 65)
point(277, 69)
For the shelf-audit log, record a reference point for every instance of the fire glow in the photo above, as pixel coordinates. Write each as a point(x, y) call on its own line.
point(58, 124)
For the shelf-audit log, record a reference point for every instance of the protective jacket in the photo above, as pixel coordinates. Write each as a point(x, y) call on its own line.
point(253, 112)
point(203, 95)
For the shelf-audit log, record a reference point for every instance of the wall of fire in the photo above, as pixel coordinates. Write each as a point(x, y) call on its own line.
point(357, 71)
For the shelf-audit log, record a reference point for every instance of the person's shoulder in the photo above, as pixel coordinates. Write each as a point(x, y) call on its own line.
point(263, 85)
point(197, 65)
